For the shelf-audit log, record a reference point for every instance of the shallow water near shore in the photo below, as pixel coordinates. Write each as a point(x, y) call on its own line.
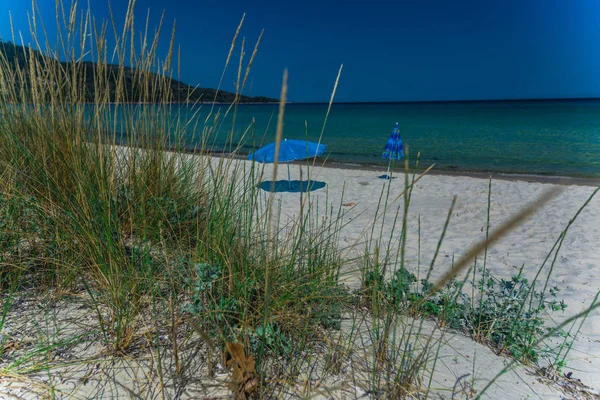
point(553, 137)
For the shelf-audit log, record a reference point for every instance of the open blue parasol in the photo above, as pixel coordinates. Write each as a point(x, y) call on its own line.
point(393, 150)
point(289, 150)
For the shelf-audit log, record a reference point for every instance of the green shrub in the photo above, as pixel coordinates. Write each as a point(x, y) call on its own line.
point(510, 315)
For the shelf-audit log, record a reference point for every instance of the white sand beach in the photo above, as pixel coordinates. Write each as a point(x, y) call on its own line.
point(464, 366)
point(577, 268)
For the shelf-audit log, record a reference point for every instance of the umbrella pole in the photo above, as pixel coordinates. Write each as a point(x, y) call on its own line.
point(388, 171)
point(289, 180)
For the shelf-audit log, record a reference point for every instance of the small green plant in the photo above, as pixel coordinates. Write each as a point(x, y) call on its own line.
point(401, 286)
point(232, 313)
point(508, 319)
point(327, 310)
point(202, 286)
point(273, 339)
point(505, 317)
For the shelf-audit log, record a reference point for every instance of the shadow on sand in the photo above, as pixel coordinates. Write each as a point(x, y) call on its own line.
point(386, 176)
point(292, 186)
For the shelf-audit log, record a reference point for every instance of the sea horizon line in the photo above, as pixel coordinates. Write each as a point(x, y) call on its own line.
point(524, 100)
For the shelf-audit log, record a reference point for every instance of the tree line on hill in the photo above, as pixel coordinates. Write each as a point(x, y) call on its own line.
point(119, 83)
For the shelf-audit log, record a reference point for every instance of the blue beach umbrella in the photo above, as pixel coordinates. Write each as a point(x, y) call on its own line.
point(393, 149)
point(289, 150)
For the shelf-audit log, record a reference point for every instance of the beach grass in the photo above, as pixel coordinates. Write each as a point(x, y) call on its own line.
point(178, 269)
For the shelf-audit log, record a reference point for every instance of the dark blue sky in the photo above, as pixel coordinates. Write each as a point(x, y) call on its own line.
point(391, 50)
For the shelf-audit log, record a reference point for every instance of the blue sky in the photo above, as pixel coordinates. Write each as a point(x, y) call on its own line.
point(391, 50)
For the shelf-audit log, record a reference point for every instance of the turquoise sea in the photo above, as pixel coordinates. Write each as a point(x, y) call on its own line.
point(553, 137)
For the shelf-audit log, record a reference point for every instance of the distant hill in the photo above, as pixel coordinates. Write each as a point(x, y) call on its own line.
point(180, 92)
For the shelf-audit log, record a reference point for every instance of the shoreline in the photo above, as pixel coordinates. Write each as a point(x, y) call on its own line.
point(334, 164)
point(505, 176)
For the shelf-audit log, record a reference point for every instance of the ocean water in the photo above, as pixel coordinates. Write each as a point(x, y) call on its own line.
point(559, 138)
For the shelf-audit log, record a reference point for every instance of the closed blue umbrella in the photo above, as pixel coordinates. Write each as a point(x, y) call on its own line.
point(289, 150)
point(394, 150)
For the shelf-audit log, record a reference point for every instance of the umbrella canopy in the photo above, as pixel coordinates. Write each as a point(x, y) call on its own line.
point(394, 150)
point(289, 150)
